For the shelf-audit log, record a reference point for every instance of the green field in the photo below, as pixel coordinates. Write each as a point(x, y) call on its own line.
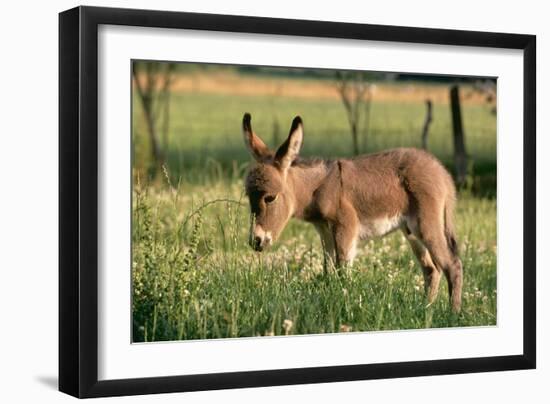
point(206, 143)
point(194, 275)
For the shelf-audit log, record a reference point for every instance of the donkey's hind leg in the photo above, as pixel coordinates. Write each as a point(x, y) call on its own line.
point(432, 275)
point(454, 279)
point(432, 234)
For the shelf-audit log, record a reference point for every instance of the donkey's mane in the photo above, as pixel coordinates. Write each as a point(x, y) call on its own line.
point(310, 162)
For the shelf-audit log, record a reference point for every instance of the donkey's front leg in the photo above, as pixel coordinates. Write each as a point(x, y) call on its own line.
point(327, 243)
point(346, 245)
point(346, 234)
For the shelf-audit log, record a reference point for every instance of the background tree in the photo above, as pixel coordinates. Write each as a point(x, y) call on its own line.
point(356, 94)
point(488, 89)
point(153, 81)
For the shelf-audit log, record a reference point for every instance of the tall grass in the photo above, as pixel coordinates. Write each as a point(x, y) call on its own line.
point(195, 277)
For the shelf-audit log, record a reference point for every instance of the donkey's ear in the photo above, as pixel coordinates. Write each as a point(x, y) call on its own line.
point(290, 149)
point(257, 147)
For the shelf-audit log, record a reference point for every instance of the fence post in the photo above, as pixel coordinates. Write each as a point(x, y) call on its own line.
point(460, 155)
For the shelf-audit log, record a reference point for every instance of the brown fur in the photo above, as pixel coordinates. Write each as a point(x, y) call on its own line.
point(352, 199)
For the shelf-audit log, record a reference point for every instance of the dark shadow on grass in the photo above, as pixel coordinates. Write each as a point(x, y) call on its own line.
point(230, 164)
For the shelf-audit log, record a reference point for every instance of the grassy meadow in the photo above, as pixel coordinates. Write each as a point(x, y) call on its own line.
point(194, 275)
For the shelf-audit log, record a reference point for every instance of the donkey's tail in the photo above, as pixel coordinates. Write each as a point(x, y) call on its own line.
point(449, 224)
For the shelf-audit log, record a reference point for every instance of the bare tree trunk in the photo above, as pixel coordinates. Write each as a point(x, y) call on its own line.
point(145, 94)
point(157, 153)
point(460, 155)
point(366, 127)
point(153, 90)
point(163, 103)
point(354, 139)
point(166, 120)
point(427, 122)
point(352, 91)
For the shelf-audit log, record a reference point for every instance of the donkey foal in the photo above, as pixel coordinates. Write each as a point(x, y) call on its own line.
point(351, 199)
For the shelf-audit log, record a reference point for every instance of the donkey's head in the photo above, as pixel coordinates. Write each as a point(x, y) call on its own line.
point(271, 195)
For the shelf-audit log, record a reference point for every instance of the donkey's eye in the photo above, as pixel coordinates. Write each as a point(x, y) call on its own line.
point(270, 198)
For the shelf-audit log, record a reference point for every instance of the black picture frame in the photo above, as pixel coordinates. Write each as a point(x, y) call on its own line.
point(78, 201)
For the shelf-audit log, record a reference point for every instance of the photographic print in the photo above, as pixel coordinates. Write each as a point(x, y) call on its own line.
point(249, 201)
point(277, 201)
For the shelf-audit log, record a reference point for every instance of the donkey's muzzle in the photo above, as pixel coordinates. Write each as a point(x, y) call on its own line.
point(259, 238)
point(256, 243)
